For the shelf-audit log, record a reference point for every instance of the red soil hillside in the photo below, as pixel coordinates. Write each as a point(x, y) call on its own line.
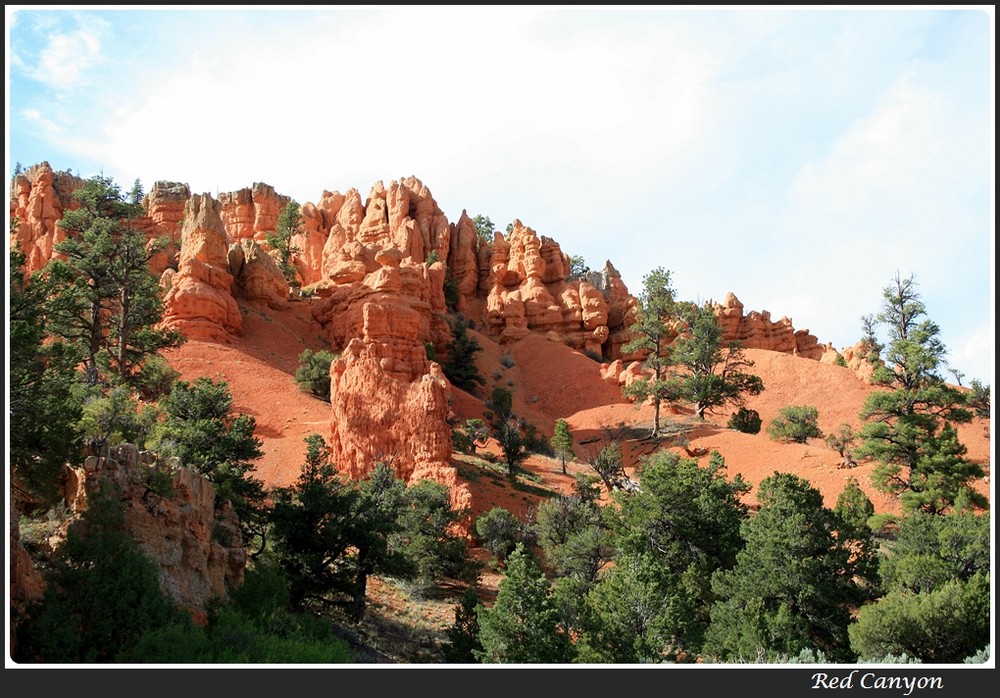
point(549, 381)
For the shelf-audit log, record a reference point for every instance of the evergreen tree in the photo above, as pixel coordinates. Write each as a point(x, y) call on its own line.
point(40, 378)
point(704, 372)
point(908, 418)
point(574, 534)
point(428, 534)
point(626, 618)
point(562, 442)
point(312, 529)
point(795, 423)
point(462, 642)
point(792, 585)
point(374, 526)
point(289, 225)
point(107, 301)
point(942, 626)
point(313, 372)
point(854, 510)
point(507, 429)
point(653, 332)
point(500, 532)
point(522, 625)
point(460, 366)
point(681, 527)
point(484, 229)
point(936, 578)
point(202, 431)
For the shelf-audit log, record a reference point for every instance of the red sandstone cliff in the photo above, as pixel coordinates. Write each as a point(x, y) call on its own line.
point(379, 268)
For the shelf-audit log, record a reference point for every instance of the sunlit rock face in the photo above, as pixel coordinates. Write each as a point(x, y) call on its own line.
point(756, 330)
point(38, 198)
point(199, 301)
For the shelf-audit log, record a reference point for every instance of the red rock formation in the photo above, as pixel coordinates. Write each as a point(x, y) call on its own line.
point(257, 275)
point(856, 358)
point(390, 404)
point(308, 260)
point(37, 200)
point(199, 302)
point(403, 217)
point(757, 331)
point(164, 206)
point(463, 259)
point(196, 546)
point(251, 212)
point(528, 290)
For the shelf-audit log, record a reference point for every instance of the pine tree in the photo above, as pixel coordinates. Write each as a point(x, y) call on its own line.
point(936, 579)
point(792, 585)
point(463, 636)
point(562, 442)
point(908, 418)
point(705, 372)
point(522, 625)
point(202, 431)
point(289, 225)
point(460, 366)
point(106, 299)
point(40, 381)
point(682, 526)
point(312, 530)
point(653, 332)
point(375, 524)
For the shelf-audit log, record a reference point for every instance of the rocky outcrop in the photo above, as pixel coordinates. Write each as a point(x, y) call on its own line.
point(402, 216)
point(756, 330)
point(38, 198)
point(463, 259)
point(256, 274)
point(199, 302)
point(856, 358)
point(530, 290)
point(389, 403)
point(195, 545)
point(252, 212)
point(164, 205)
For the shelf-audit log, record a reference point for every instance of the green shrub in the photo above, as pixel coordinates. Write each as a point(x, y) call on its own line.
point(156, 378)
point(313, 373)
point(160, 481)
point(746, 421)
point(452, 293)
point(842, 441)
point(500, 531)
point(796, 423)
point(102, 594)
point(460, 365)
point(535, 441)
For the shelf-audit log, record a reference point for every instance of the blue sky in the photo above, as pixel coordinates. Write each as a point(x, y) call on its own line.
point(798, 158)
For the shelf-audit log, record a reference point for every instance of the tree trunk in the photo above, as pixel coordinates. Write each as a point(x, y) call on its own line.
point(357, 609)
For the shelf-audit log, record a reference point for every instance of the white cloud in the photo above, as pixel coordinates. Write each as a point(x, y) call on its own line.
point(68, 57)
point(447, 96)
point(40, 121)
point(797, 159)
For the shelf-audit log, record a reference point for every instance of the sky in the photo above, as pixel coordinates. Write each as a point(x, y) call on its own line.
point(798, 157)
